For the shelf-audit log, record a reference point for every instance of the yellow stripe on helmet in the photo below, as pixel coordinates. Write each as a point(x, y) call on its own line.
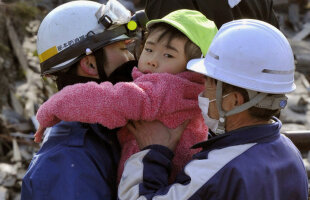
point(48, 54)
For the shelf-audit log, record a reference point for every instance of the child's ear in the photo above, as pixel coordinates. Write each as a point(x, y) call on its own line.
point(88, 65)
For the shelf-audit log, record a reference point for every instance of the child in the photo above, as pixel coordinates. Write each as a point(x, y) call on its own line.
point(162, 88)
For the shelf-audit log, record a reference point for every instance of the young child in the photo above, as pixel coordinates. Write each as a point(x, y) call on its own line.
point(162, 88)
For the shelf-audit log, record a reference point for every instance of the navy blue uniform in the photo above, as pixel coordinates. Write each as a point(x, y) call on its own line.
point(255, 162)
point(78, 161)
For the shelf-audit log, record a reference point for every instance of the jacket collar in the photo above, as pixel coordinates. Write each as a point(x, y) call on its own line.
point(76, 131)
point(244, 135)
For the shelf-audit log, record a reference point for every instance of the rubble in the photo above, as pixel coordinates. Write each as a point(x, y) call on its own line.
point(4, 193)
point(303, 33)
point(23, 89)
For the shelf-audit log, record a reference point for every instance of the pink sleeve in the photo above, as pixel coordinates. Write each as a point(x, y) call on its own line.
point(93, 103)
point(149, 97)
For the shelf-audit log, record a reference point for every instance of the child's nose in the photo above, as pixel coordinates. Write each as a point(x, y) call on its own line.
point(152, 62)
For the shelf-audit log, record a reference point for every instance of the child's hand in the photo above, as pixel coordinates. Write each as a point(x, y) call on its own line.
point(39, 134)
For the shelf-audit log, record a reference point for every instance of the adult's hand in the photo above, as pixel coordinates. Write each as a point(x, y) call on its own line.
point(148, 133)
point(210, 88)
point(210, 92)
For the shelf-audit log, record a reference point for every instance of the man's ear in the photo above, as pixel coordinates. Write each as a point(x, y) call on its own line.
point(239, 99)
point(88, 65)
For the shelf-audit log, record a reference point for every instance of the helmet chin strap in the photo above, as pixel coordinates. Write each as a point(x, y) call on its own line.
point(65, 79)
point(99, 55)
point(238, 109)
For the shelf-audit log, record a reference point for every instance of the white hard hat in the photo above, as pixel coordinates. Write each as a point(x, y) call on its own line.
point(71, 24)
point(250, 54)
point(253, 55)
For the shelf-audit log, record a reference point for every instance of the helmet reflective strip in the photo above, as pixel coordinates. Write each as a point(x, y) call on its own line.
point(213, 55)
point(48, 53)
point(269, 71)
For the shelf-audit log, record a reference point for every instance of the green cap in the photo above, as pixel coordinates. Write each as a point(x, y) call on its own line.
point(193, 24)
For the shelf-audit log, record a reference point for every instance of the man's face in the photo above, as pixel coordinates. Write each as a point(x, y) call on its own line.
point(162, 56)
point(116, 55)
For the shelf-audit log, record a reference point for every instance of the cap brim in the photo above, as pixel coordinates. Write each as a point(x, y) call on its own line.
point(156, 21)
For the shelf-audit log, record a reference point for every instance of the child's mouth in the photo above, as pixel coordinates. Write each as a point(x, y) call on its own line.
point(147, 72)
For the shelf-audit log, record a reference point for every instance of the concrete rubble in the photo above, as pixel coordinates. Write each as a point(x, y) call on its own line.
point(23, 90)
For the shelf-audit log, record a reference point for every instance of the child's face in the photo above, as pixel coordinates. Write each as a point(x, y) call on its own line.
point(161, 56)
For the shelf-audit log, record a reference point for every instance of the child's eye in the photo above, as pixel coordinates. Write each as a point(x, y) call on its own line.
point(124, 49)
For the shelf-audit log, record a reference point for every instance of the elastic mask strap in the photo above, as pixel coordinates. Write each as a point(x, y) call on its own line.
point(259, 97)
point(221, 126)
point(238, 109)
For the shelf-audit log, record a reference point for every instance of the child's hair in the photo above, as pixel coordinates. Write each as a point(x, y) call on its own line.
point(191, 50)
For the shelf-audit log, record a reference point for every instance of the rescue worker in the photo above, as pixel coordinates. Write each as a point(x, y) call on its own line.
point(78, 42)
point(249, 68)
point(219, 11)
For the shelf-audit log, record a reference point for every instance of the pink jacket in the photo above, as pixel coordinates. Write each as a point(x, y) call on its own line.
point(171, 99)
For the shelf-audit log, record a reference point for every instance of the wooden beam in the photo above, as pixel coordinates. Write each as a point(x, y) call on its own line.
point(300, 138)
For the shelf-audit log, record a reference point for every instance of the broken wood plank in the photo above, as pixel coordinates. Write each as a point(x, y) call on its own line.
point(4, 193)
point(294, 17)
point(301, 139)
point(22, 135)
point(16, 152)
point(21, 141)
point(301, 51)
point(21, 127)
point(303, 33)
point(18, 49)
point(279, 2)
point(30, 75)
point(16, 104)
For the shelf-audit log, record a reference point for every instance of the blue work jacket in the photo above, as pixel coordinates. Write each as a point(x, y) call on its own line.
point(250, 163)
point(78, 161)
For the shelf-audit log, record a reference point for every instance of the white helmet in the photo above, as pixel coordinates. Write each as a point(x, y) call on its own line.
point(253, 55)
point(250, 54)
point(77, 28)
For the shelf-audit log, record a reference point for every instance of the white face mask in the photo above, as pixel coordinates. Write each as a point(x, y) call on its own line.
point(203, 103)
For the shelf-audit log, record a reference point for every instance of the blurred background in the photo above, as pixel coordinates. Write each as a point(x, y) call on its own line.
point(23, 90)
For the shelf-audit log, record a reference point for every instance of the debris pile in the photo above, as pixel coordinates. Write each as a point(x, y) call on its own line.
point(294, 21)
point(23, 90)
